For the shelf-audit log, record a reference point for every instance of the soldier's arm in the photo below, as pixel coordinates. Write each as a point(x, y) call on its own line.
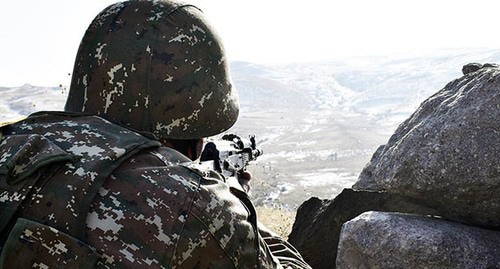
point(284, 252)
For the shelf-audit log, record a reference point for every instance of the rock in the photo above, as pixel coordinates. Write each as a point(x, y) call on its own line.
point(447, 154)
point(317, 226)
point(442, 161)
point(392, 240)
point(493, 65)
point(472, 67)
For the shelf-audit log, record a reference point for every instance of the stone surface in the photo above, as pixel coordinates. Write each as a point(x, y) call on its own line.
point(472, 67)
point(318, 222)
point(392, 240)
point(447, 153)
point(442, 161)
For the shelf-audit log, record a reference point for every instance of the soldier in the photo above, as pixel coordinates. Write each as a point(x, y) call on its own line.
point(104, 184)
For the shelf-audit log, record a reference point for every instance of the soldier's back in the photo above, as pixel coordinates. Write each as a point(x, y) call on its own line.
point(81, 191)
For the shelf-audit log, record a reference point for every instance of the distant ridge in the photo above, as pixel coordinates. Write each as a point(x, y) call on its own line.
point(314, 120)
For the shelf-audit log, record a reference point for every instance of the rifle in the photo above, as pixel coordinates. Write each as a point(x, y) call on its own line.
point(230, 156)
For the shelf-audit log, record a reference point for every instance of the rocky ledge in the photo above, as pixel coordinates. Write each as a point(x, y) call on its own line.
point(429, 198)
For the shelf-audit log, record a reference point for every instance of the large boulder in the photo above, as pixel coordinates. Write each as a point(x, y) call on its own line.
point(393, 240)
point(448, 152)
point(442, 161)
point(317, 226)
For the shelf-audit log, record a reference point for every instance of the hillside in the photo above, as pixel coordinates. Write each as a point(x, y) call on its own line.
point(318, 123)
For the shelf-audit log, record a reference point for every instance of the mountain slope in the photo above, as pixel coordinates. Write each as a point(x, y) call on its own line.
point(318, 123)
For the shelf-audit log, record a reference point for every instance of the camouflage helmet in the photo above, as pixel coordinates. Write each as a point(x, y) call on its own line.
point(154, 66)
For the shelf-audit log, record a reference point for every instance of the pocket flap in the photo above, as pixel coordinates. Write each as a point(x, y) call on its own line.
point(22, 155)
point(34, 245)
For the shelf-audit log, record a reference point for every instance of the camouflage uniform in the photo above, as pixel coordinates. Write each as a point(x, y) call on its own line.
point(156, 66)
point(84, 191)
point(79, 191)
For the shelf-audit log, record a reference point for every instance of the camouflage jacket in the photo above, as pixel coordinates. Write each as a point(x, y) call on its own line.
point(80, 192)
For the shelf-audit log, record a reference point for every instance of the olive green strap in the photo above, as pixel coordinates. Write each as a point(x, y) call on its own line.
point(9, 122)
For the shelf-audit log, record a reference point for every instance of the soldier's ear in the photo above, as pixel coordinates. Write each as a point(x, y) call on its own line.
point(191, 148)
point(199, 148)
point(166, 142)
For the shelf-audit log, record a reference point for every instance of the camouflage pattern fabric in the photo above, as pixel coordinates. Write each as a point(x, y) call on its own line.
point(155, 66)
point(80, 152)
point(188, 220)
point(151, 210)
point(34, 245)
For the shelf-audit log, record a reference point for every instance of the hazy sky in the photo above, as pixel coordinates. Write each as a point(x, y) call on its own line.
point(39, 39)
